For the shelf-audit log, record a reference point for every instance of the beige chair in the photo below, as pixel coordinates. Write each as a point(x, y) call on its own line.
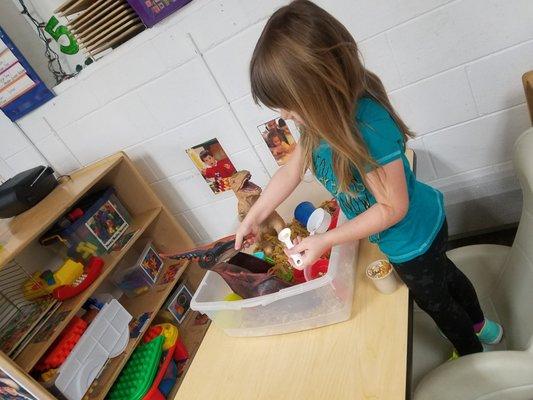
point(503, 277)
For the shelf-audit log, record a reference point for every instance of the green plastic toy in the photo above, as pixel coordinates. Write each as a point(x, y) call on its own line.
point(139, 373)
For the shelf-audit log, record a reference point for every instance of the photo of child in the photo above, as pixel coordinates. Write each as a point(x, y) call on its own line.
point(151, 263)
point(279, 139)
point(107, 225)
point(211, 160)
point(180, 303)
point(11, 390)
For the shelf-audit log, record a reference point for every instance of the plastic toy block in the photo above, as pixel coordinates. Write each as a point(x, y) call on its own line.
point(75, 214)
point(139, 373)
point(86, 249)
point(169, 331)
point(106, 337)
point(68, 273)
point(48, 278)
point(152, 333)
point(64, 345)
point(180, 351)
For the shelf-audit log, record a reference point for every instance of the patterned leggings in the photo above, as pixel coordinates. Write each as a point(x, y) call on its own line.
point(445, 293)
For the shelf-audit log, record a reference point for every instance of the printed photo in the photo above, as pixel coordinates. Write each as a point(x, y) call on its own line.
point(279, 139)
point(151, 263)
point(180, 303)
point(107, 225)
point(11, 390)
point(214, 164)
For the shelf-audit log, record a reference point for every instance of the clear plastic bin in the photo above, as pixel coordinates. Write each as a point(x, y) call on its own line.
point(322, 301)
point(101, 226)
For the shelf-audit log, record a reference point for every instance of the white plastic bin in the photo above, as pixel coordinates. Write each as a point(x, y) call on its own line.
point(322, 301)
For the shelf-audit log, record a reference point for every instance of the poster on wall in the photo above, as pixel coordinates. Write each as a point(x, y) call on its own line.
point(21, 89)
point(213, 163)
point(279, 139)
point(11, 390)
point(153, 11)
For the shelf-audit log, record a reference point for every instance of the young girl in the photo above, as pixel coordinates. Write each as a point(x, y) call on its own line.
point(306, 65)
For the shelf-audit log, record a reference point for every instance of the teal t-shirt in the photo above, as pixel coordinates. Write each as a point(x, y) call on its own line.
point(413, 235)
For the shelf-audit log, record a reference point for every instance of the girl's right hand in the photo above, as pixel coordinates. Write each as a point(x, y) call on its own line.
point(247, 232)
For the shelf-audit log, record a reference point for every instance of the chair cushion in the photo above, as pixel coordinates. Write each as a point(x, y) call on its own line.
point(482, 264)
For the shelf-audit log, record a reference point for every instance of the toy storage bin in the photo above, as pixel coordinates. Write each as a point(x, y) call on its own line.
point(134, 278)
point(102, 224)
point(322, 301)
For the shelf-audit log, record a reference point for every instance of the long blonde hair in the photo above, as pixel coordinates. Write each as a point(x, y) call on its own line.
point(307, 62)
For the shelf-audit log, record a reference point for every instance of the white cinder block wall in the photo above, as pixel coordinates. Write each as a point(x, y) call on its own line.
point(452, 68)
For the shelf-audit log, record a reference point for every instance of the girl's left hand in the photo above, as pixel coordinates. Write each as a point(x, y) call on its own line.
point(311, 249)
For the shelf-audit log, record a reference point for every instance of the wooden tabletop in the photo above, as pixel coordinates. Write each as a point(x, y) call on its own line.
point(362, 358)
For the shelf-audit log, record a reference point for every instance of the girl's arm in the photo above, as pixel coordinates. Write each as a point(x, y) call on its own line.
point(392, 203)
point(278, 189)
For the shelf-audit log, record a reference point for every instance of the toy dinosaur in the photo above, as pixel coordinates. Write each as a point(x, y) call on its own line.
point(247, 194)
point(246, 275)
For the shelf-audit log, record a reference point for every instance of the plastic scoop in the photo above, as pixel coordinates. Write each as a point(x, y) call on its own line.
point(284, 236)
point(319, 221)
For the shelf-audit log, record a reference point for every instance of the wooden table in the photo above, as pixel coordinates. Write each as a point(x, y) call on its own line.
point(366, 357)
point(362, 358)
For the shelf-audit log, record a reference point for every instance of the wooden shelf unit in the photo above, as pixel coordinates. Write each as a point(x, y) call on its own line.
point(151, 220)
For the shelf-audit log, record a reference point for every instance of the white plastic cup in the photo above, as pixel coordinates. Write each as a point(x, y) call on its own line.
point(386, 284)
point(318, 221)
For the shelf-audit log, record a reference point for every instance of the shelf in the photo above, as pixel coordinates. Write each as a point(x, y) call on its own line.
point(192, 336)
point(151, 301)
point(26, 227)
point(35, 350)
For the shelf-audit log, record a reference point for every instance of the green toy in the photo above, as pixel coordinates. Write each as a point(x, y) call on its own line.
point(137, 376)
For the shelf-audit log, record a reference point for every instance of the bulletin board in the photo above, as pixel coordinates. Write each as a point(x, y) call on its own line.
point(153, 11)
point(21, 89)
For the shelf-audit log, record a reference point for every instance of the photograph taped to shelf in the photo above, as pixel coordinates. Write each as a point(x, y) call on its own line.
point(150, 262)
point(11, 390)
point(107, 225)
point(180, 303)
point(213, 163)
point(123, 240)
point(279, 139)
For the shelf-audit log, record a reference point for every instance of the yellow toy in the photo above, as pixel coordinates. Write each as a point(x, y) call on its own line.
point(232, 297)
point(43, 283)
point(86, 249)
point(169, 331)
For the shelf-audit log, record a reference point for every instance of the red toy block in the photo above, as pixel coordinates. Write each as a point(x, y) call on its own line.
point(75, 214)
point(180, 353)
point(152, 333)
point(63, 345)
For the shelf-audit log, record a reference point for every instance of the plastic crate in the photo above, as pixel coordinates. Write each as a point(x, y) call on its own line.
point(322, 301)
point(138, 271)
point(102, 225)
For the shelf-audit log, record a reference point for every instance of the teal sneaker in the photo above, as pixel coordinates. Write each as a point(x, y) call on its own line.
point(491, 333)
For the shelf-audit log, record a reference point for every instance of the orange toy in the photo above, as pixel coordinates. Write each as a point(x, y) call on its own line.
point(63, 346)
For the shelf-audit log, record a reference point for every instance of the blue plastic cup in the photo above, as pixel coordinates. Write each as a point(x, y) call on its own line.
point(303, 211)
